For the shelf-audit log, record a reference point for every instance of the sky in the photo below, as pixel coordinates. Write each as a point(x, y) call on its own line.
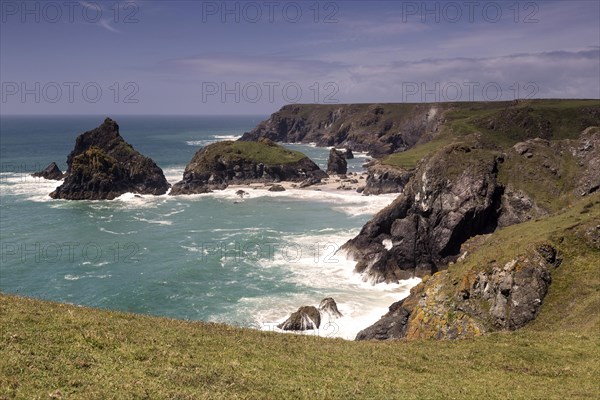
point(252, 57)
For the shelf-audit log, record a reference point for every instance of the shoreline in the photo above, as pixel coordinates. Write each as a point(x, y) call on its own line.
point(334, 183)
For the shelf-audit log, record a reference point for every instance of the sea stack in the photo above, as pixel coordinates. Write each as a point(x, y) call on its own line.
point(103, 166)
point(337, 162)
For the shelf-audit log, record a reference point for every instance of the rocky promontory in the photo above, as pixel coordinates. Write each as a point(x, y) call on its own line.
point(498, 297)
point(452, 196)
point(472, 187)
point(220, 164)
point(379, 129)
point(104, 166)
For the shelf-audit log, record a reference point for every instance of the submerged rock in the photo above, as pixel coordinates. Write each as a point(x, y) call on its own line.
point(307, 317)
point(50, 172)
point(104, 166)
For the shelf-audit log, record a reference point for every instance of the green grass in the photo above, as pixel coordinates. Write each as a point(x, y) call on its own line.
point(469, 122)
point(80, 353)
point(260, 152)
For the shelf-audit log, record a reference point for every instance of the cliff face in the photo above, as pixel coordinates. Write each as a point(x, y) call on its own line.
point(466, 190)
point(382, 179)
point(104, 166)
point(451, 197)
point(375, 128)
point(499, 297)
point(219, 164)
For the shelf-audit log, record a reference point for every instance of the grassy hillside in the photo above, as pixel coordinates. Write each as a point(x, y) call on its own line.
point(49, 349)
point(502, 124)
point(63, 351)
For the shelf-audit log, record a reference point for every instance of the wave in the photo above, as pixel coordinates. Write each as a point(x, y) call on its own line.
point(348, 202)
point(212, 139)
point(32, 188)
point(227, 137)
point(70, 277)
point(317, 264)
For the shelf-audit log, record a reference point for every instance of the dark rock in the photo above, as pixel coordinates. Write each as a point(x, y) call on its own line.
point(329, 306)
point(337, 163)
point(349, 155)
point(50, 172)
point(307, 317)
point(309, 182)
point(382, 179)
point(241, 193)
point(220, 164)
point(276, 188)
point(393, 325)
point(437, 211)
point(104, 166)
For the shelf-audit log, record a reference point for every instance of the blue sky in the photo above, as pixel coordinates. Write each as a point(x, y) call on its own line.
point(194, 57)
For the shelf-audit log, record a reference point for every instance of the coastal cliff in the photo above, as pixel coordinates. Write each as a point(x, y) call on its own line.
point(378, 129)
point(220, 164)
point(104, 166)
point(464, 190)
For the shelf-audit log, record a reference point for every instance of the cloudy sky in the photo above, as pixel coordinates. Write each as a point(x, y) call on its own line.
point(194, 57)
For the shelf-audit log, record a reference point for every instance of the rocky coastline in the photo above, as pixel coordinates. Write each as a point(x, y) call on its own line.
point(508, 164)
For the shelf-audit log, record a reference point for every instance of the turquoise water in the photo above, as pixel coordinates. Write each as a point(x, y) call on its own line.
point(209, 257)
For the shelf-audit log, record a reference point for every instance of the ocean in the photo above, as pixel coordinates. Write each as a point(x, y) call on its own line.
point(212, 257)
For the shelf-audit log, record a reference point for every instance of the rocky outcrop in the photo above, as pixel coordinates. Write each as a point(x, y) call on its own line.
point(463, 190)
point(336, 164)
point(349, 154)
point(104, 166)
point(493, 297)
point(375, 128)
point(307, 317)
point(51, 172)
point(382, 179)
point(452, 196)
point(586, 151)
point(329, 306)
point(276, 188)
point(310, 317)
point(220, 164)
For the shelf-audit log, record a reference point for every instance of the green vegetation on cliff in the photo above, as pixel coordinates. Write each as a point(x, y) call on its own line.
point(265, 152)
point(502, 124)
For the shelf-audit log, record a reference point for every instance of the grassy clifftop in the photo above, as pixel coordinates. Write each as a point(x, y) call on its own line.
point(503, 124)
point(265, 152)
